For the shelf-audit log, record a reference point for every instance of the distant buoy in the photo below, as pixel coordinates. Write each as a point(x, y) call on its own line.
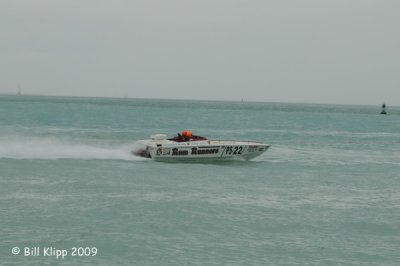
point(383, 112)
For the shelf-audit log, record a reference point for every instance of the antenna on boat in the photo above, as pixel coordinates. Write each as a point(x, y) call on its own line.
point(19, 90)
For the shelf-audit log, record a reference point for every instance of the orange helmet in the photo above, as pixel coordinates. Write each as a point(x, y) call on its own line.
point(189, 134)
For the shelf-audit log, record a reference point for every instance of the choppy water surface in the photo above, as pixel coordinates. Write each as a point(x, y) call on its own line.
point(326, 193)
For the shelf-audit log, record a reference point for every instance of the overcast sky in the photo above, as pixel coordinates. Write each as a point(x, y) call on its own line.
point(314, 51)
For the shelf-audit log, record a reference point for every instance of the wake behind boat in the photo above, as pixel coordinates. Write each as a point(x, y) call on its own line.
point(189, 146)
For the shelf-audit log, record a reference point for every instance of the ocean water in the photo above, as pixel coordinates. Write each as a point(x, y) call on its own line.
point(327, 192)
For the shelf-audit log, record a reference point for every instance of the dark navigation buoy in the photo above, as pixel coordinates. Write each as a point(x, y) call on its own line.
point(383, 109)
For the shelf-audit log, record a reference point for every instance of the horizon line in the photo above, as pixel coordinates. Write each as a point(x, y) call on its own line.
point(241, 100)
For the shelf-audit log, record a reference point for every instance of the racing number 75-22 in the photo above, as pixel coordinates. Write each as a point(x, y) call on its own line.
point(233, 150)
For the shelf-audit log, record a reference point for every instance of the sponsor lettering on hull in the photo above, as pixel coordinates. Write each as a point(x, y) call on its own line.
point(196, 151)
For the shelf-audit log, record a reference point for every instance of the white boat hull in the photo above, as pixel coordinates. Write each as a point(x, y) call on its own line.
point(199, 150)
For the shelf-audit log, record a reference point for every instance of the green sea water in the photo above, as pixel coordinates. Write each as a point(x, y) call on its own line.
point(327, 192)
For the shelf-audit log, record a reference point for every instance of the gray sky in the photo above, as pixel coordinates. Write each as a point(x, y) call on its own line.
point(333, 51)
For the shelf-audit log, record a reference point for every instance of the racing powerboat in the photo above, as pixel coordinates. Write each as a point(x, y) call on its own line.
point(191, 147)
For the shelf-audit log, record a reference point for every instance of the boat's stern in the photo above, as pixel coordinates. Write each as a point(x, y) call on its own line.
point(147, 148)
point(142, 148)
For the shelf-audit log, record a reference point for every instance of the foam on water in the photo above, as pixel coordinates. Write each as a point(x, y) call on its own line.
point(54, 148)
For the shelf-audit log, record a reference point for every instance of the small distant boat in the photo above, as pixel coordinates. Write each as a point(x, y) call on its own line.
point(188, 146)
point(383, 112)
